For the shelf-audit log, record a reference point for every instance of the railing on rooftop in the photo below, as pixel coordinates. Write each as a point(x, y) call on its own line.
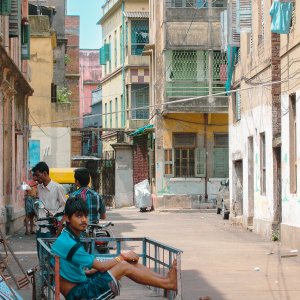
point(108, 5)
point(194, 3)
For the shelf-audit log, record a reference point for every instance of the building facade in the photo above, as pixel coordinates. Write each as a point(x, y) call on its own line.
point(125, 83)
point(263, 120)
point(90, 77)
point(188, 106)
point(14, 127)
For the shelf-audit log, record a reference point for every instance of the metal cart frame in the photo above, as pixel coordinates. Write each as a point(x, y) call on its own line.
point(154, 255)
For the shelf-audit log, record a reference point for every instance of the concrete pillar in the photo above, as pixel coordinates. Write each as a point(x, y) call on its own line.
point(123, 175)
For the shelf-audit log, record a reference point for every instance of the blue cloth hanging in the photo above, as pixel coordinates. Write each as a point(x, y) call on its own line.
point(281, 14)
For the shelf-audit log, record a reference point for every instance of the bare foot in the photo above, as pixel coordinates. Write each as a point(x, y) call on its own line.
point(173, 276)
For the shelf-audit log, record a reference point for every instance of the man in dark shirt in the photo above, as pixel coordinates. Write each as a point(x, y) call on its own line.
point(93, 200)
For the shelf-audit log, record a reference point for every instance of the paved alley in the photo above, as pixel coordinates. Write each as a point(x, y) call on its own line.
point(223, 261)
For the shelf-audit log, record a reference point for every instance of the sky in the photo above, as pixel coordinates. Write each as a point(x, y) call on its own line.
point(90, 12)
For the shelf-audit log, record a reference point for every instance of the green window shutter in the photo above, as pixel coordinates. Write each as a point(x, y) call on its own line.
point(200, 162)
point(107, 52)
point(102, 56)
point(243, 16)
point(5, 7)
point(25, 42)
point(15, 19)
point(221, 162)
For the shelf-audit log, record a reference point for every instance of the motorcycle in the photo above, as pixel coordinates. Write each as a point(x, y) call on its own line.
point(98, 231)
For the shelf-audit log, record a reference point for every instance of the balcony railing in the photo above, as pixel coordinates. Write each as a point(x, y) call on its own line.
point(194, 3)
point(185, 89)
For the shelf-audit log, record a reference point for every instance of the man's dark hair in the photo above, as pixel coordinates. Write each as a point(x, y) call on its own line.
point(41, 167)
point(76, 205)
point(83, 176)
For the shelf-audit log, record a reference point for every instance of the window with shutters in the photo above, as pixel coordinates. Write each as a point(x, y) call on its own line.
point(15, 19)
point(105, 115)
point(122, 111)
point(261, 24)
point(108, 54)
point(121, 44)
point(236, 105)
point(5, 7)
point(168, 162)
point(233, 34)
point(53, 93)
point(110, 114)
point(293, 143)
point(221, 140)
point(244, 16)
point(220, 155)
point(140, 99)
point(25, 42)
point(116, 49)
point(139, 36)
point(262, 163)
point(116, 112)
point(184, 145)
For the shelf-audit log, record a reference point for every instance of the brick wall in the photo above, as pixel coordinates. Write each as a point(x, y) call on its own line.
point(140, 159)
point(72, 78)
point(276, 88)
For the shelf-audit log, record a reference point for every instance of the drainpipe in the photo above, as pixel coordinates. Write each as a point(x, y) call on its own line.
point(206, 156)
point(123, 65)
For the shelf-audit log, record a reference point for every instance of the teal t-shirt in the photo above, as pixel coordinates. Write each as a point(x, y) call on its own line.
point(72, 270)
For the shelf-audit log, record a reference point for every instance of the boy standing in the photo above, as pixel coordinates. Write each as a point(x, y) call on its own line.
point(101, 280)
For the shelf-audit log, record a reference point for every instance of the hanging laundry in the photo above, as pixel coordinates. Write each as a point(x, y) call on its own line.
point(281, 14)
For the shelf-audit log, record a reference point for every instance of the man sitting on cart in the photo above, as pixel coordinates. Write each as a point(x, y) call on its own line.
point(84, 277)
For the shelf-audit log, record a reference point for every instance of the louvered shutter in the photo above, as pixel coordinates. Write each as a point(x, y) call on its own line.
point(221, 162)
point(107, 52)
point(5, 7)
point(102, 56)
point(15, 19)
point(238, 105)
point(200, 162)
point(224, 32)
point(244, 16)
point(25, 42)
point(234, 36)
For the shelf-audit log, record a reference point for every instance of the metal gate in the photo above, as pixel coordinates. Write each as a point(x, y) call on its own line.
point(107, 171)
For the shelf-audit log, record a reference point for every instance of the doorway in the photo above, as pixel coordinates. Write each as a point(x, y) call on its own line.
point(238, 188)
point(250, 182)
point(277, 187)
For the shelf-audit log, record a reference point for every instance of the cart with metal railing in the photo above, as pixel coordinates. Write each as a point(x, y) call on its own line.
point(153, 254)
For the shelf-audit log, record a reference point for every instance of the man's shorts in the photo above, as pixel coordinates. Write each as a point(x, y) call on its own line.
point(98, 286)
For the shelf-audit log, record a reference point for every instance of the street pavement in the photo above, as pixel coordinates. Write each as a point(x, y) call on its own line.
point(223, 261)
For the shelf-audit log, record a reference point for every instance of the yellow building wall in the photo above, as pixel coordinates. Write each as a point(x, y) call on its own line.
point(193, 123)
point(41, 66)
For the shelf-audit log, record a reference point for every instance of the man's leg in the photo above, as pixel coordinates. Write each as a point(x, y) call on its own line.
point(26, 224)
point(145, 276)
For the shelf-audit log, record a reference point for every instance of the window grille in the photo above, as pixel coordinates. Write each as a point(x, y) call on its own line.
point(221, 140)
point(184, 140)
point(140, 98)
point(219, 3)
point(219, 66)
point(184, 163)
point(188, 3)
point(184, 65)
point(139, 36)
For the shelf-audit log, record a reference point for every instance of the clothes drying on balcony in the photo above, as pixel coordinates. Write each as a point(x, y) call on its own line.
point(281, 14)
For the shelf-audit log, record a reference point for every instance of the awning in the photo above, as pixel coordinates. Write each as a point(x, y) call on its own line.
point(141, 130)
point(136, 14)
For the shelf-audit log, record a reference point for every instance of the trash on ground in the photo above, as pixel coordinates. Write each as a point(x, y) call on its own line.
point(256, 269)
